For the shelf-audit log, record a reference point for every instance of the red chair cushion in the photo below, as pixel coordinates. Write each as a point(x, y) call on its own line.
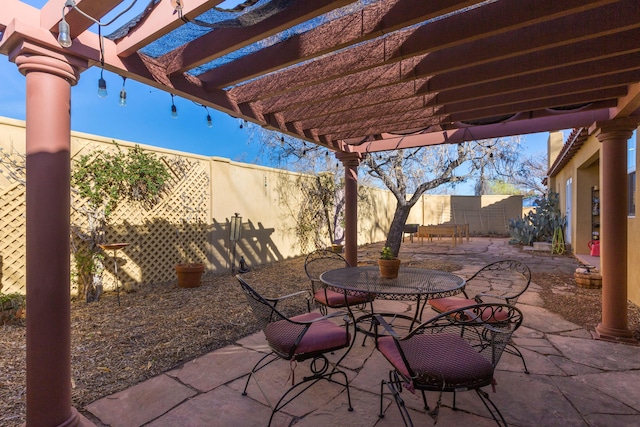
point(336, 299)
point(321, 336)
point(446, 304)
point(438, 358)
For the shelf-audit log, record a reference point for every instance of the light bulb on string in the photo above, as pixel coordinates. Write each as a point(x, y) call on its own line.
point(209, 120)
point(64, 36)
point(102, 86)
point(174, 109)
point(123, 94)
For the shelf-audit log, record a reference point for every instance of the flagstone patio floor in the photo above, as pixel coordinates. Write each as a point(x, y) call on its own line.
point(574, 379)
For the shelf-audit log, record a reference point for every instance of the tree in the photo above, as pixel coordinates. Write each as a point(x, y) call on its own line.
point(319, 213)
point(530, 174)
point(407, 173)
point(501, 186)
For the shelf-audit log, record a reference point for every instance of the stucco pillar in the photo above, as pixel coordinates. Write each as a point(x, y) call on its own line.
point(351, 161)
point(48, 83)
point(613, 227)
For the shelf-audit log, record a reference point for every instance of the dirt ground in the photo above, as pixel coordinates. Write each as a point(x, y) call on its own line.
point(159, 327)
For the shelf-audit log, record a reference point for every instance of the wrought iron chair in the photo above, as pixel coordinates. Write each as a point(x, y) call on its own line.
point(454, 351)
point(298, 338)
point(318, 262)
point(502, 281)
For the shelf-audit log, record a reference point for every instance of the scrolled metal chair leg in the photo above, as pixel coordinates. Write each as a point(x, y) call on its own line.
point(395, 386)
point(485, 398)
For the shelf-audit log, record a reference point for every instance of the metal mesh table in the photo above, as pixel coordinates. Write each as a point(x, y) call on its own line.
point(412, 284)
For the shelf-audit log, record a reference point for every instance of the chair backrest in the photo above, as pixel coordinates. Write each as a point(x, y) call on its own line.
point(284, 334)
point(319, 261)
point(504, 280)
point(459, 348)
point(264, 311)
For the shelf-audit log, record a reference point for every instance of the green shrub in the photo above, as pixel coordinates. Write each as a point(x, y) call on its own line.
point(11, 306)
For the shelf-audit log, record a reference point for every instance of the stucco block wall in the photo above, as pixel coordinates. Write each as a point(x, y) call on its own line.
point(484, 214)
point(192, 222)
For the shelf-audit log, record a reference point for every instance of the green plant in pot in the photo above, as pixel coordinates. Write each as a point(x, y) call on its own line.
point(388, 263)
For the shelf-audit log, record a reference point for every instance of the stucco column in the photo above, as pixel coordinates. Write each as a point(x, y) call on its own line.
point(613, 227)
point(48, 83)
point(351, 161)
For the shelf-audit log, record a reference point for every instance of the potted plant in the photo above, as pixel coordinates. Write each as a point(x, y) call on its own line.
point(389, 264)
point(189, 274)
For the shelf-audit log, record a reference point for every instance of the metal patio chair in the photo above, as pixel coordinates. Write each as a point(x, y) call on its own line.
point(318, 262)
point(453, 352)
point(502, 281)
point(298, 338)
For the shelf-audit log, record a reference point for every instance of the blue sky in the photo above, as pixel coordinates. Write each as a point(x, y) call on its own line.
point(146, 119)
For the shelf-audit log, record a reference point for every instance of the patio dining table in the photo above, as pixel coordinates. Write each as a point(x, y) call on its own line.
point(412, 284)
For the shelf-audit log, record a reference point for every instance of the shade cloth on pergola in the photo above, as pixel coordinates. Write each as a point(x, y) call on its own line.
point(369, 75)
point(352, 76)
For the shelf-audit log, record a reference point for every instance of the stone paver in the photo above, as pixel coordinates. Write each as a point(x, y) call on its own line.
point(141, 403)
point(574, 380)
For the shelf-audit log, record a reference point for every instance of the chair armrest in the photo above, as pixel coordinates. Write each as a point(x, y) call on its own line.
point(283, 297)
point(276, 300)
point(379, 320)
point(483, 297)
point(328, 316)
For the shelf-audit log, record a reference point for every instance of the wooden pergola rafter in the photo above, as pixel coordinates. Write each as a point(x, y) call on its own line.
point(389, 66)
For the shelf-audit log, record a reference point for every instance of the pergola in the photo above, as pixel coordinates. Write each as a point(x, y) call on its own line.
point(352, 76)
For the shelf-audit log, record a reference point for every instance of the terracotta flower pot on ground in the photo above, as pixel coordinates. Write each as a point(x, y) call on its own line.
point(389, 268)
point(189, 275)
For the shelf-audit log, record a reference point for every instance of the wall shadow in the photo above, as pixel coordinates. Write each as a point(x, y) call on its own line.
point(155, 247)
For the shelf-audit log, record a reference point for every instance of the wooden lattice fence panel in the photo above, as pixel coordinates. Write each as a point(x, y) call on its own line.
point(12, 244)
point(173, 231)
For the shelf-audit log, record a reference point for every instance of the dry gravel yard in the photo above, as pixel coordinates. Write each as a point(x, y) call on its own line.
point(160, 327)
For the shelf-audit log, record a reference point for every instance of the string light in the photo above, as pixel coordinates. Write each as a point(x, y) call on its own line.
point(209, 121)
point(174, 109)
point(102, 85)
point(123, 94)
point(64, 36)
point(64, 31)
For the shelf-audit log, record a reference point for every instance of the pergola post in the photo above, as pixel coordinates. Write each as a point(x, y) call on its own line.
point(48, 107)
point(613, 135)
point(351, 161)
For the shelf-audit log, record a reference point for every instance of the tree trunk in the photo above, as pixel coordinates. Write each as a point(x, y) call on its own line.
point(394, 237)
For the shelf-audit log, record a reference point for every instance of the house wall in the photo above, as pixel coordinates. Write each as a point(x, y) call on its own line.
point(584, 168)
